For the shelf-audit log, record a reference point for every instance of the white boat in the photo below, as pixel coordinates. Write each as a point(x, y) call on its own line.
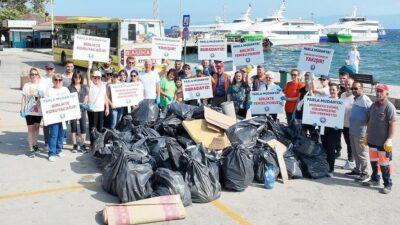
point(282, 31)
point(355, 29)
point(238, 24)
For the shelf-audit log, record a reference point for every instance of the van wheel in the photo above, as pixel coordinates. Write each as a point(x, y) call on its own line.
point(63, 58)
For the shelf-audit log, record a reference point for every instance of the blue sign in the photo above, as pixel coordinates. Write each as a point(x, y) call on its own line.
point(186, 20)
point(185, 33)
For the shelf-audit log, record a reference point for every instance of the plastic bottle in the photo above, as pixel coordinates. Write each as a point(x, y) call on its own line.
point(269, 177)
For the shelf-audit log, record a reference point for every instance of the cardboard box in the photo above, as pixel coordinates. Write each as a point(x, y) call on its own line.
point(211, 138)
point(150, 210)
point(218, 119)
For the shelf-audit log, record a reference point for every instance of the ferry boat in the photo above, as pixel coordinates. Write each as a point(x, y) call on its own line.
point(355, 29)
point(282, 31)
point(238, 24)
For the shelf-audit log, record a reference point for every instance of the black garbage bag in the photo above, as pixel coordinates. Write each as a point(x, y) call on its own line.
point(182, 111)
point(184, 140)
point(246, 132)
point(237, 168)
point(171, 126)
point(294, 130)
point(168, 182)
point(204, 186)
point(141, 132)
point(279, 132)
point(209, 158)
point(126, 124)
point(267, 135)
point(312, 157)
point(97, 140)
point(101, 139)
point(146, 113)
point(292, 164)
point(127, 177)
point(263, 158)
point(213, 161)
point(307, 147)
point(166, 151)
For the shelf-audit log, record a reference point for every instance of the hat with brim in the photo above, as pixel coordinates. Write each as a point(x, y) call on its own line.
point(324, 77)
point(97, 74)
point(382, 87)
point(49, 66)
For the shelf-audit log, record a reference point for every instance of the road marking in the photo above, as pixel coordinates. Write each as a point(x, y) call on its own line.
point(229, 212)
point(47, 191)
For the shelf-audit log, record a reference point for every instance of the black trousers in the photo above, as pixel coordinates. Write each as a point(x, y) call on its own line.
point(346, 136)
point(329, 143)
point(96, 120)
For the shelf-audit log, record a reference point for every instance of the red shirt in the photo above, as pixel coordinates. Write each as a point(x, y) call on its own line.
point(292, 90)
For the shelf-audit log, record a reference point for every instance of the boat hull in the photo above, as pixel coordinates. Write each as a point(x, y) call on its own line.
point(346, 38)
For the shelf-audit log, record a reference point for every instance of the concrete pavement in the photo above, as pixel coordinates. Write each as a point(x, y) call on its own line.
point(68, 191)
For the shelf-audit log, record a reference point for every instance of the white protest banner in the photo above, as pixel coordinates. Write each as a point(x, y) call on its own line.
point(315, 60)
point(197, 88)
point(61, 108)
point(141, 52)
point(266, 102)
point(248, 53)
point(214, 49)
point(91, 48)
point(166, 48)
point(324, 112)
point(126, 94)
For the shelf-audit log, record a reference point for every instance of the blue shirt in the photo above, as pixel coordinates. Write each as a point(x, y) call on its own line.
point(220, 90)
point(359, 116)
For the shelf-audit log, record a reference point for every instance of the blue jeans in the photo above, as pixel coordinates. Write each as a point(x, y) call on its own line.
point(116, 116)
point(56, 139)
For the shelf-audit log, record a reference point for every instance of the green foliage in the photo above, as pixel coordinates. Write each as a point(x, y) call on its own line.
point(16, 9)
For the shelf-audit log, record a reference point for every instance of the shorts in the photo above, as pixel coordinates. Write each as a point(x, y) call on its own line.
point(30, 120)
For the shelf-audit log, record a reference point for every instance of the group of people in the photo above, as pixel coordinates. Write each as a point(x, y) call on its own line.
point(362, 119)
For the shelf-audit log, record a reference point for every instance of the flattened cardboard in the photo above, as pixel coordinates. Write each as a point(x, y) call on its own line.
point(280, 149)
point(150, 210)
point(199, 131)
point(218, 119)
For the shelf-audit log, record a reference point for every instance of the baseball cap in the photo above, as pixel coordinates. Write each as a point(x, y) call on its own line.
point(324, 77)
point(199, 68)
point(382, 87)
point(97, 73)
point(220, 65)
point(49, 65)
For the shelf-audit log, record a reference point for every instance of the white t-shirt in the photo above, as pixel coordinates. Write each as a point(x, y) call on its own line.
point(149, 81)
point(97, 99)
point(348, 105)
point(32, 94)
point(46, 82)
point(353, 57)
point(273, 87)
point(52, 92)
point(325, 92)
point(129, 71)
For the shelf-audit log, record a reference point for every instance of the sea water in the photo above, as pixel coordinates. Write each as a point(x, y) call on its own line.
point(381, 59)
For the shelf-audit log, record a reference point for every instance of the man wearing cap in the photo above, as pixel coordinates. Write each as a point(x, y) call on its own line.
point(199, 71)
point(324, 90)
point(151, 82)
point(358, 131)
point(221, 82)
point(381, 129)
point(130, 66)
point(47, 83)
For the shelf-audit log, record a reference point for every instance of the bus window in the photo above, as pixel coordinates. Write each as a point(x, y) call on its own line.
point(64, 36)
point(132, 32)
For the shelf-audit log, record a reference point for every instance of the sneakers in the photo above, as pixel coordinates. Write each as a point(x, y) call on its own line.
point(75, 148)
point(84, 149)
point(52, 158)
point(31, 153)
point(353, 173)
point(386, 190)
point(362, 178)
point(330, 174)
point(349, 165)
point(35, 148)
point(371, 183)
point(60, 154)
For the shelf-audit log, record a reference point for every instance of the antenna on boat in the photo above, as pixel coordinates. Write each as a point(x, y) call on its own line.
point(354, 14)
point(156, 14)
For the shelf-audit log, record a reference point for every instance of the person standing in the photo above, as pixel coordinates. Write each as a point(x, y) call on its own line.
point(115, 112)
point(178, 68)
point(292, 93)
point(348, 99)
point(164, 70)
point(135, 79)
point(332, 135)
point(130, 66)
point(343, 76)
point(220, 84)
point(46, 82)
point(151, 82)
point(381, 129)
point(67, 76)
point(186, 72)
point(358, 131)
point(207, 70)
point(305, 91)
point(168, 88)
point(271, 86)
point(83, 96)
point(260, 81)
point(98, 102)
point(30, 109)
point(107, 70)
point(239, 93)
point(324, 90)
point(353, 58)
point(57, 131)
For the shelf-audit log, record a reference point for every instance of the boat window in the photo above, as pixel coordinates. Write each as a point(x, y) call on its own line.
point(238, 21)
point(269, 20)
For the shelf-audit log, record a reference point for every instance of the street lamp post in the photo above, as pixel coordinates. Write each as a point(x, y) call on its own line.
point(52, 22)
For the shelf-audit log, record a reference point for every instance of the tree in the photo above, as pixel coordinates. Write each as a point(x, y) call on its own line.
point(15, 9)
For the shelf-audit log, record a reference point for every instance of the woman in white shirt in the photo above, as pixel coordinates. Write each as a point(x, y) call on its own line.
point(30, 109)
point(271, 86)
point(348, 99)
point(98, 107)
point(57, 131)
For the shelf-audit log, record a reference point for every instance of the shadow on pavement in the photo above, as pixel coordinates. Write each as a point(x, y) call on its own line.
point(13, 143)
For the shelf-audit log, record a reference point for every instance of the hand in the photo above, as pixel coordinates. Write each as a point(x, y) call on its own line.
point(90, 64)
point(107, 112)
point(249, 103)
point(157, 100)
point(388, 146)
point(365, 140)
point(336, 128)
point(22, 114)
point(283, 98)
point(282, 103)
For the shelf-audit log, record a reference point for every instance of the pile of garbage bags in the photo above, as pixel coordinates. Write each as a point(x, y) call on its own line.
point(150, 154)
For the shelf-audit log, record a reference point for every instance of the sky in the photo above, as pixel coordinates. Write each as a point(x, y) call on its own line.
point(205, 11)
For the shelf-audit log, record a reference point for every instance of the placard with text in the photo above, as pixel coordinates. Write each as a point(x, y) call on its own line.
point(322, 111)
point(166, 48)
point(247, 53)
point(197, 88)
point(91, 48)
point(266, 102)
point(212, 49)
point(126, 94)
point(60, 108)
point(315, 60)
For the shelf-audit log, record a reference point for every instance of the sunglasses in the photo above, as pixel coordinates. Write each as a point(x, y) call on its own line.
point(34, 74)
point(322, 79)
point(115, 76)
point(294, 74)
point(96, 77)
point(354, 89)
point(57, 80)
point(131, 62)
point(49, 68)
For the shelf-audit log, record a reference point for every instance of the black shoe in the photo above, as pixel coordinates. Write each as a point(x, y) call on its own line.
point(352, 173)
point(362, 178)
point(75, 148)
point(31, 154)
point(386, 190)
point(337, 155)
point(84, 149)
point(35, 148)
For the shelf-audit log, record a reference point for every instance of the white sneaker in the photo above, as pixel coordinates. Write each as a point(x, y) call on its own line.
point(52, 159)
point(330, 174)
point(349, 165)
point(60, 154)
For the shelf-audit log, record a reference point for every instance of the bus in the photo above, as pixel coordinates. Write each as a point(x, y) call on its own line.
point(121, 32)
